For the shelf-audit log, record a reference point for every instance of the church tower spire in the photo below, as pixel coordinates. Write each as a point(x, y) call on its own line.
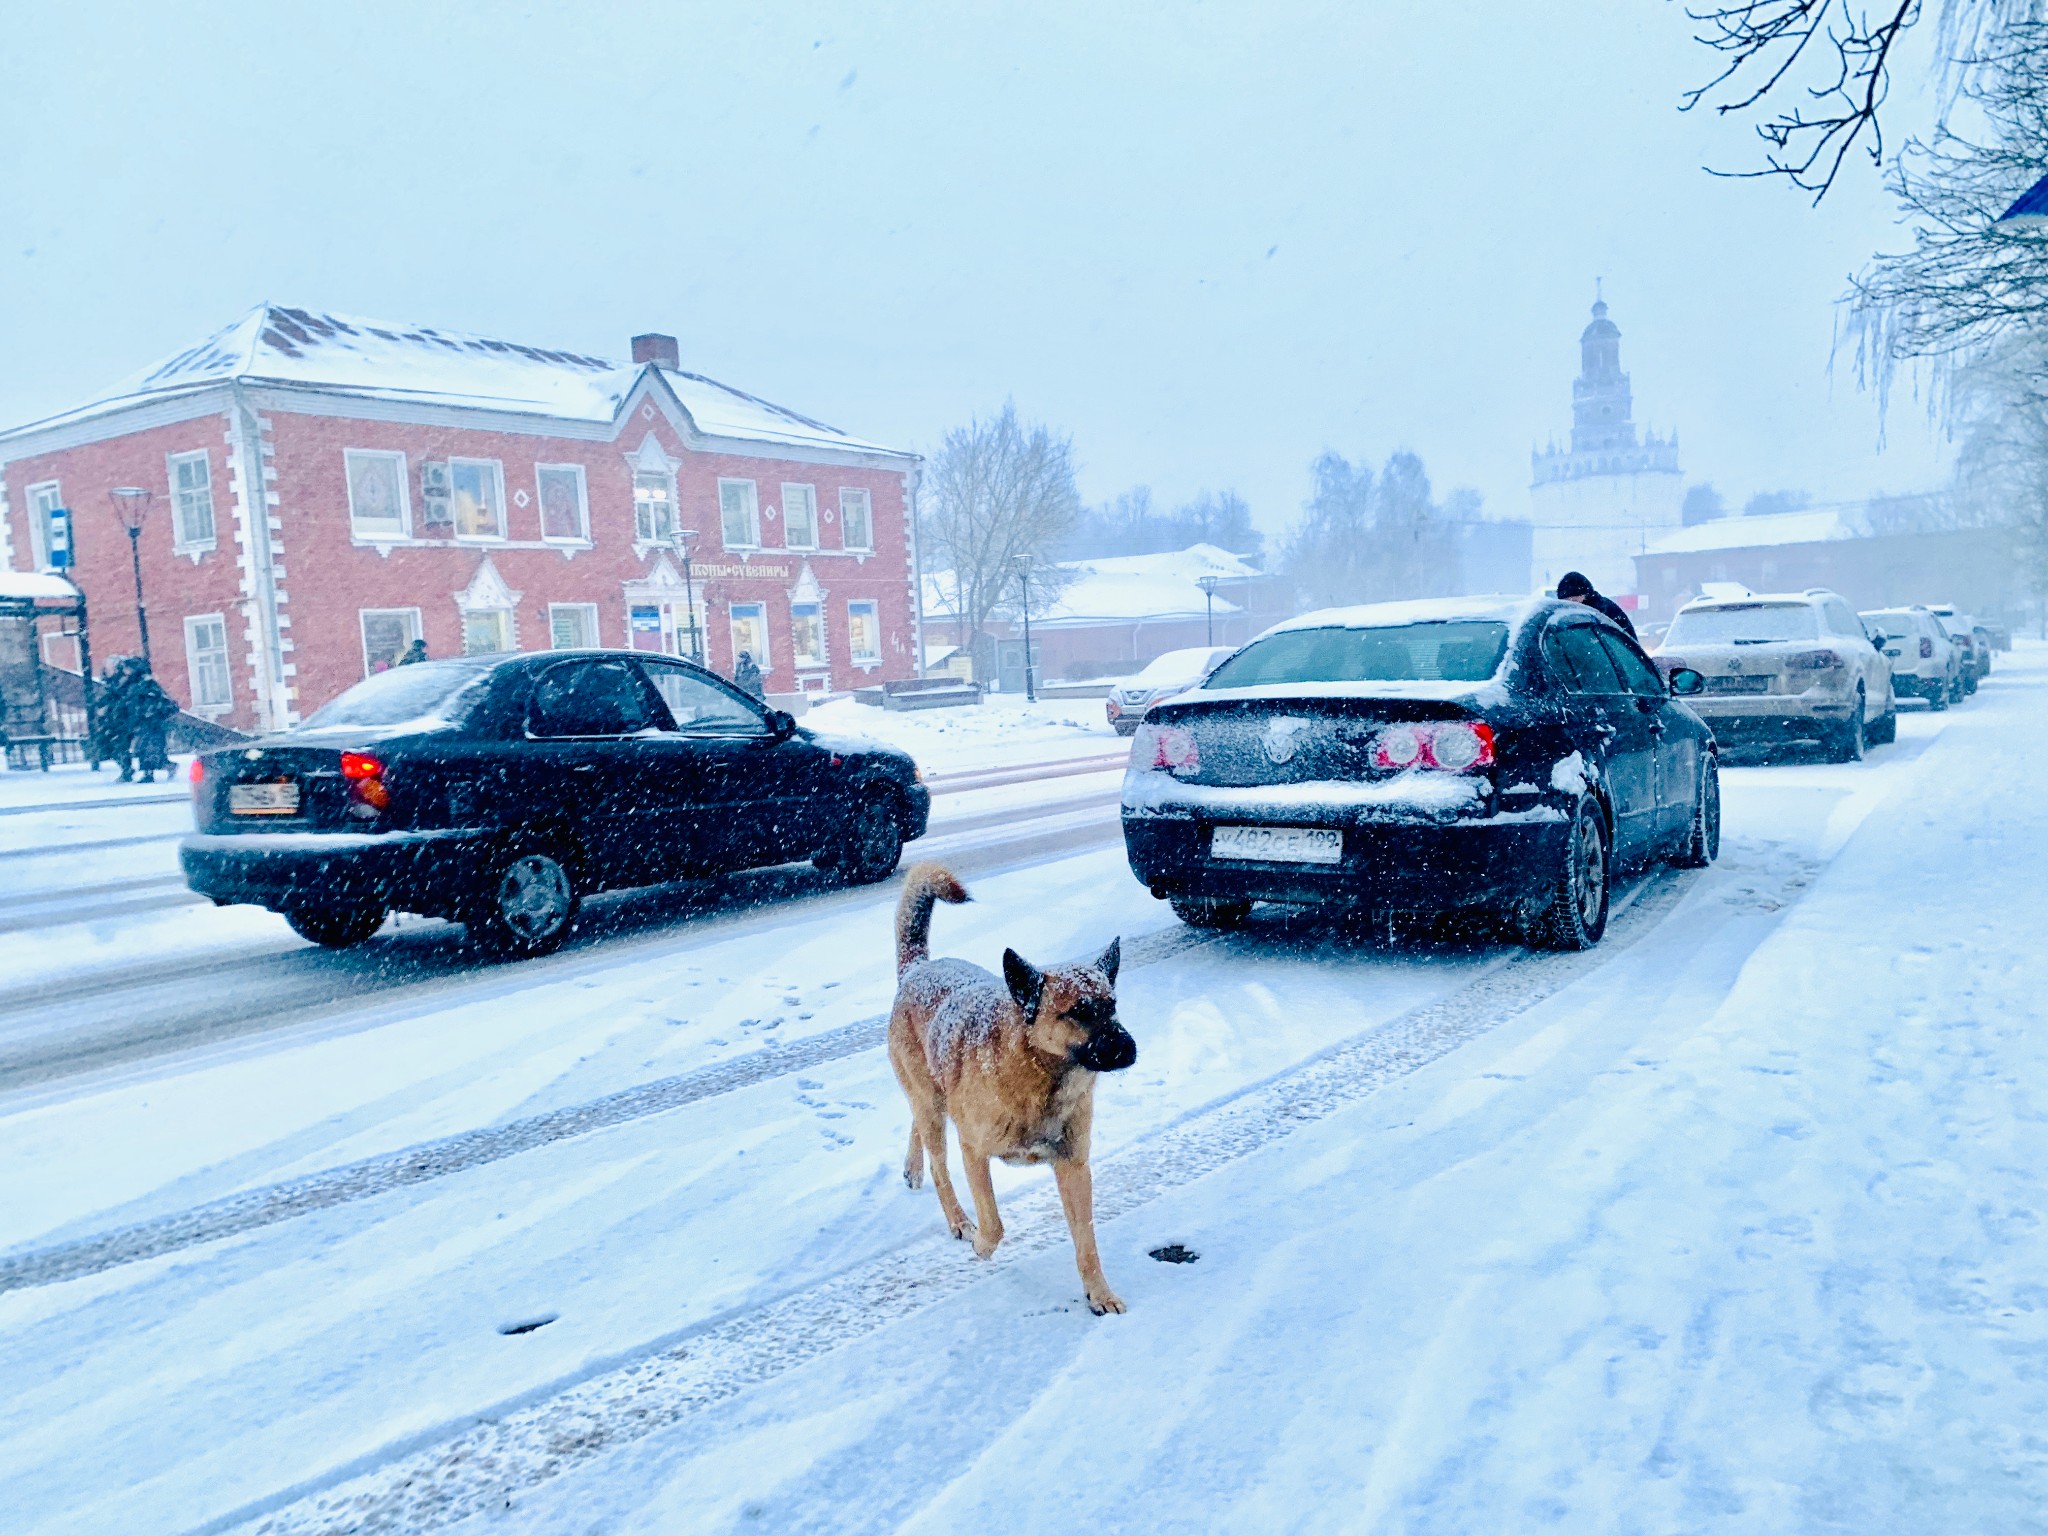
point(1602, 404)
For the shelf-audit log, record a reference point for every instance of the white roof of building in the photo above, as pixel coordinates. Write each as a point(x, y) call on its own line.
point(1126, 588)
point(1816, 527)
point(342, 354)
point(36, 586)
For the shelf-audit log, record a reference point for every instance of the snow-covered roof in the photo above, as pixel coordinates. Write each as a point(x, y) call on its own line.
point(342, 354)
point(1190, 564)
point(1126, 588)
point(1755, 532)
point(35, 587)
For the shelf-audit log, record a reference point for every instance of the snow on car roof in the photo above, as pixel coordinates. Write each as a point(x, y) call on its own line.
point(1425, 610)
point(1756, 600)
point(345, 354)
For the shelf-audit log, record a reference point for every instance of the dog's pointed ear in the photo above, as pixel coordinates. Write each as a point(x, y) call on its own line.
point(1111, 958)
point(1024, 980)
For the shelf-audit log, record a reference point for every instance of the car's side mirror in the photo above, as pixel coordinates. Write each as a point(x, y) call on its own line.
point(781, 724)
point(1685, 682)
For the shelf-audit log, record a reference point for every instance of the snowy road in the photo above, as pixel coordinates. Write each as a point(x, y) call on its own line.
point(1731, 1224)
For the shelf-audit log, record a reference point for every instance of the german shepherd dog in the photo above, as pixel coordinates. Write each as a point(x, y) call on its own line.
point(1012, 1062)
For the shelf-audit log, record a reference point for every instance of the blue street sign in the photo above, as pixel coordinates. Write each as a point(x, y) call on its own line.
point(60, 538)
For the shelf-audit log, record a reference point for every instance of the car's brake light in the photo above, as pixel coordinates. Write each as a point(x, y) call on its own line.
point(1814, 661)
point(360, 765)
point(1171, 747)
point(1455, 746)
point(1399, 746)
point(1926, 648)
point(197, 772)
point(365, 775)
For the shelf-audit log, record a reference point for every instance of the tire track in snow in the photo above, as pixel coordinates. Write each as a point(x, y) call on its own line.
point(419, 1164)
point(478, 1465)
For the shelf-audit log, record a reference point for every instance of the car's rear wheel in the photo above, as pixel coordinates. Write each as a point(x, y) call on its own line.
point(1886, 731)
point(335, 927)
point(528, 903)
point(870, 845)
point(1938, 700)
point(1209, 912)
point(1574, 914)
point(1703, 838)
point(1849, 741)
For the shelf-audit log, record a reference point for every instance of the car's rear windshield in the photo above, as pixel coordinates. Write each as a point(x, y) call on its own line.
point(1740, 623)
point(1898, 626)
point(426, 691)
point(1455, 651)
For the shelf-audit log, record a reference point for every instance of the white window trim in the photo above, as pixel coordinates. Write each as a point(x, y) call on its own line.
point(180, 545)
point(760, 608)
point(596, 638)
point(642, 542)
point(823, 663)
point(211, 707)
point(811, 491)
point(874, 608)
point(754, 511)
point(356, 531)
point(497, 469)
point(855, 490)
point(580, 539)
point(363, 634)
point(39, 521)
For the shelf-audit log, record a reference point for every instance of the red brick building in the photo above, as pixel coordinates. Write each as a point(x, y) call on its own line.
point(328, 490)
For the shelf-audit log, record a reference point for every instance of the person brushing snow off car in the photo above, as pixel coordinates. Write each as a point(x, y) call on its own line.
point(1573, 587)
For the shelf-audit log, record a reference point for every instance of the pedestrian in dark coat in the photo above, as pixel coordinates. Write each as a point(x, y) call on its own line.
point(414, 653)
point(150, 711)
point(1575, 588)
point(113, 718)
point(747, 675)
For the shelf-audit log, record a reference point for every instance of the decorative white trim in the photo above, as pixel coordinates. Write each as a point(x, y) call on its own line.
point(581, 538)
point(497, 469)
point(6, 530)
point(209, 708)
point(754, 497)
point(487, 593)
point(358, 533)
point(37, 519)
point(807, 591)
point(812, 491)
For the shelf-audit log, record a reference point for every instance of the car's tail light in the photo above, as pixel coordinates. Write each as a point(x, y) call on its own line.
point(1926, 648)
point(1455, 746)
point(365, 775)
point(197, 772)
point(1171, 747)
point(1814, 661)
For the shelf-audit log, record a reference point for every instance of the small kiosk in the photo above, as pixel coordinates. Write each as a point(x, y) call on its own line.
point(46, 712)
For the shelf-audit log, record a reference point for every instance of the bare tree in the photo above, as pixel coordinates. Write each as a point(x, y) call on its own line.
point(1367, 538)
point(2002, 470)
point(1817, 73)
point(1001, 498)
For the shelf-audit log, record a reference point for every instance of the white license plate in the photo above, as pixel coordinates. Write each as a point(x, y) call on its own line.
point(263, 799)
point(1278, 845)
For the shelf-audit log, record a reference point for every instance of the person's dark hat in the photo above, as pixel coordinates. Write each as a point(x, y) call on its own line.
point(1574, 584)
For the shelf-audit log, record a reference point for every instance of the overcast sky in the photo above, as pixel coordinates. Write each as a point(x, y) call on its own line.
point(1207, 240)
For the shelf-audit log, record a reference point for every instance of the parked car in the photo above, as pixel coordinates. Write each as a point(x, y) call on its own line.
point(1499, 754)
point(1925, 664)
point(1785, 667)
point(1962, 636)
point(500, 790)
point(1161, 678)
point(1974, 637)
point(2001, 635)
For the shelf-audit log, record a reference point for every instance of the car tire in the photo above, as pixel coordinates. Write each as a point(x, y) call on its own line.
point(1209, 911)
point(1574, 913)
point(335, 927)
point(1703, 837)
point(869, 847)
point(1852, 738)
point(1886, 731)
point(1938, 700)
point(1127, 730)
point(526, 904)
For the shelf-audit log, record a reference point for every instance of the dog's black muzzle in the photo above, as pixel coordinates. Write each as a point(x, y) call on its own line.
point(1109, 1049)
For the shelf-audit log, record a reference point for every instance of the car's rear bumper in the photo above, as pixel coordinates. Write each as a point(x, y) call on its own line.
point(1910, 685)
point(1404, 865)
point(412, 871)
point(1769, 717)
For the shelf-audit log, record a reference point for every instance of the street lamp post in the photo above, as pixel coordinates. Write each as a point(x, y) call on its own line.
point(131, 504)
point(681, 538)
point(1208, 586)
point(1030, 666)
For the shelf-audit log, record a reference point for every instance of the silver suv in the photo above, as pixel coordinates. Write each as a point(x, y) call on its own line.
point(1925, 662)
point(1784, 667)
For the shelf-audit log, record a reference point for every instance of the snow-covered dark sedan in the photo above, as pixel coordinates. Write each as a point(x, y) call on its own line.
point(499, 790)
point(1496, 754)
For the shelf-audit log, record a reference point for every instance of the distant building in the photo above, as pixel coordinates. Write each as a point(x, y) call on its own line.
point(330, 490)
point(1602, 501)
point(1832, 547)
point(1116, 613)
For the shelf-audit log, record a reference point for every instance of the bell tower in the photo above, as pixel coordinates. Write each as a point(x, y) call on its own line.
point(1601, 401)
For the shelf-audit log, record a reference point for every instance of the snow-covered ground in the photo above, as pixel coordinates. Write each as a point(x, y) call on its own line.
point(1001, 729)
point(1732, 1224)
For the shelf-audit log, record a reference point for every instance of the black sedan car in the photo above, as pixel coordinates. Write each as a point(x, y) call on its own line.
point(1496, 754)
point(499, 790)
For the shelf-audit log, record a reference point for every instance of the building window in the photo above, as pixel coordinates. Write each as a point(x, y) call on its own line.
point(750, 633)
point(800, 516)
point(388, 633)
point(486, 631)
point(856, 518)
point(564, 509)
point(377, 501)
point(739, 514)
point(807, 634)
point(654, 506)
point(42, 501)
point(206, 662)
point(191, 501)
point(476, 488)
point(572, 626)
point(864, 631)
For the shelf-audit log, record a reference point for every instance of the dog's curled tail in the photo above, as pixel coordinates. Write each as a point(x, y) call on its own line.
point(924, 884)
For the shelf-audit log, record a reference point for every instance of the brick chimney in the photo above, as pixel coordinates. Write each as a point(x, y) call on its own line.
point(656, 348)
